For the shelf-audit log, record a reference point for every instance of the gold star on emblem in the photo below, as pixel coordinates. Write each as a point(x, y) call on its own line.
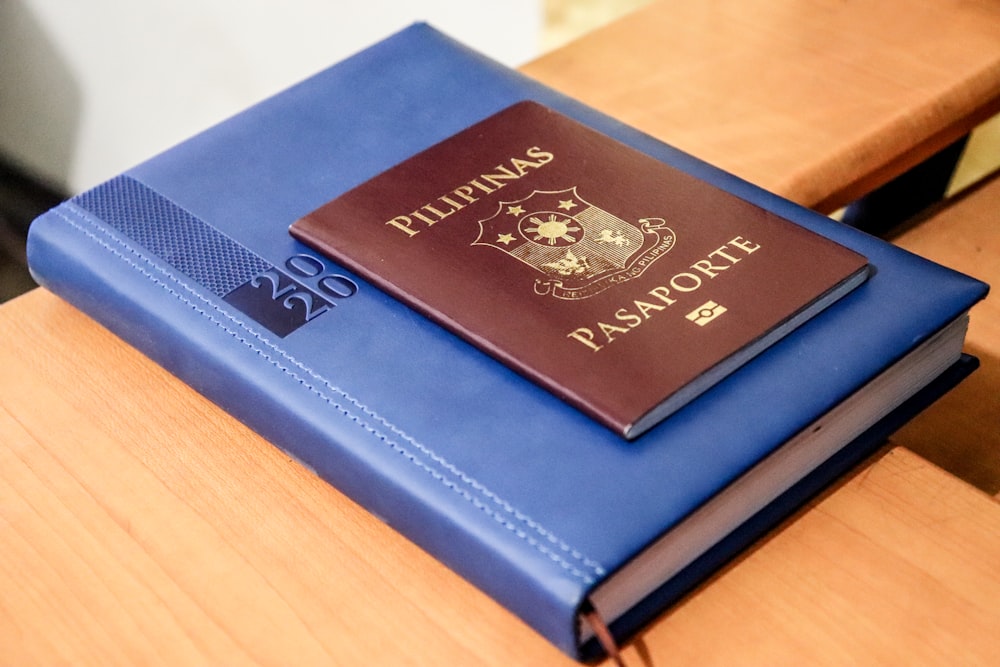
point(515, 210)
point(505, 239)
point(567, 205)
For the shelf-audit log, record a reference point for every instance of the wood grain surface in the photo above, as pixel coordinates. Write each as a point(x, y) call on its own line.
point(142, 525)
point(961, 433)
point(820, 100)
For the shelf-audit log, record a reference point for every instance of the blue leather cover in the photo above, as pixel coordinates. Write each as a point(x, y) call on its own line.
point(522, 495)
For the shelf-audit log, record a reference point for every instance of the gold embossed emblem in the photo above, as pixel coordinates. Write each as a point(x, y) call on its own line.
point(580, 248)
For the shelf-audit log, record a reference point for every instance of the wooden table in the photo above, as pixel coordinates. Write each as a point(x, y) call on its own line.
point(821, 101)
point(962, 432)
point(140, 524)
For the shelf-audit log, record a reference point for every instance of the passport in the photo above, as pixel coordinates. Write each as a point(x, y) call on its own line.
point(622, 285)
point(187, 257)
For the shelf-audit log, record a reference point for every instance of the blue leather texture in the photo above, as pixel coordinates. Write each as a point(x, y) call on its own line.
point(520, 494)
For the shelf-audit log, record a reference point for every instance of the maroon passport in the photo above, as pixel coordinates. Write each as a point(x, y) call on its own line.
point(622, 285)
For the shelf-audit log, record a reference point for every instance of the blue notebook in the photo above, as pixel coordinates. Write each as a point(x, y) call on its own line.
point(188, 257)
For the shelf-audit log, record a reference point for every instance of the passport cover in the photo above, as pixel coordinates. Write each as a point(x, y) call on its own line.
point(622, 285)
point(187, 256)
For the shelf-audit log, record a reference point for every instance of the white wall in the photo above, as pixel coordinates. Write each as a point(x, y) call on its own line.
point(89, 88)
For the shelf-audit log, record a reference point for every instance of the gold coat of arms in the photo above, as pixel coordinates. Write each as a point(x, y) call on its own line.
point(581, 249)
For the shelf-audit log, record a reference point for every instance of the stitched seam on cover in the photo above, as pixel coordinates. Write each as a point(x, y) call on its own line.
point(519, 532)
